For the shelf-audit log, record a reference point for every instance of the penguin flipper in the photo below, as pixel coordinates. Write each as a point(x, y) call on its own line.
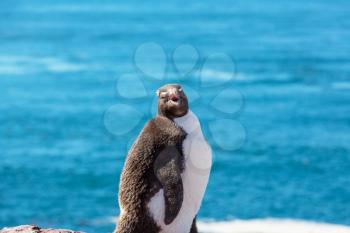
point(194, 226)
point(167, 170)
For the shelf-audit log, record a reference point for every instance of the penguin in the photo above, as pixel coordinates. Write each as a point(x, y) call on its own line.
point(166, 170)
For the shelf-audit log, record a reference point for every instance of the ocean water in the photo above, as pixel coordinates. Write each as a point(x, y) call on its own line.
point(61, 63)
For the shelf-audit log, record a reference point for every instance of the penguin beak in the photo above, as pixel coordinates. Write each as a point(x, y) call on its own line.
point(174, 98)
point(174, 95)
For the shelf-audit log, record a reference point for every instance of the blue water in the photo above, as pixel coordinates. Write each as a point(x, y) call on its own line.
point(59, 64)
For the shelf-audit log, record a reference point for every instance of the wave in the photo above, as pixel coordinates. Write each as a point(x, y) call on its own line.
point(341, 85)
point(223, 76)
point(265, 225)
point(216, 74)
point(26, 64)
point(270, 225)
point(80, 8)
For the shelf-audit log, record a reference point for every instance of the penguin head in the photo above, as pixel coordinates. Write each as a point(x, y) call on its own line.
point(172, 101)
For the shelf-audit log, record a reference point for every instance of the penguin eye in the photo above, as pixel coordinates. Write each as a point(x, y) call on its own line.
point(180, 89)
point(162, 95)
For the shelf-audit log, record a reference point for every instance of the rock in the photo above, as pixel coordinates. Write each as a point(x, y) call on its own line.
point(34, 229)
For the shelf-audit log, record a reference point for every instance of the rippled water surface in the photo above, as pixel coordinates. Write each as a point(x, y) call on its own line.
point(60, 62)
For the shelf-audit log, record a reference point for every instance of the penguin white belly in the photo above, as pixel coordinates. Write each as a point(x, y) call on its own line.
point(195, 177)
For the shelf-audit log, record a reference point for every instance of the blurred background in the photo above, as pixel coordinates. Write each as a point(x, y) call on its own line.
point(60, 62)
